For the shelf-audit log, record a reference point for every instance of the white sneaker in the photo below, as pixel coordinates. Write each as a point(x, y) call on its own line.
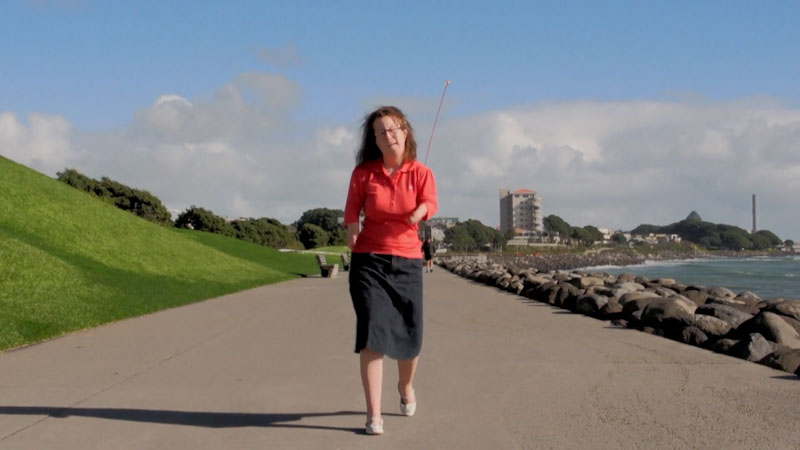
point(374, 427)
point(407, 409)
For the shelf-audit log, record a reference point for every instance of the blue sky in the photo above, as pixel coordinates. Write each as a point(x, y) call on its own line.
point(614, 82)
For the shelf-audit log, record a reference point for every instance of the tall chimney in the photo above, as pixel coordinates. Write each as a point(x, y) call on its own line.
point(755, 214)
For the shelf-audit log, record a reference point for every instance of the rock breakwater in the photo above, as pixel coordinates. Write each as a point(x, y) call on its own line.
point(715, 318)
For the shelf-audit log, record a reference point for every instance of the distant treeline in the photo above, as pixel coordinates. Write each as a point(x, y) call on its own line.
point(715, 236)
point(580, 235)
point(140, 202)
point(322, 227)
point(472, 235)
point(316, 228)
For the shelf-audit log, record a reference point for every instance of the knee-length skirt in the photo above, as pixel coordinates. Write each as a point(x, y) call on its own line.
point(387, 297)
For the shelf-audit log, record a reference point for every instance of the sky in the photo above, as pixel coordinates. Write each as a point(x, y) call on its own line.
point(617, 113)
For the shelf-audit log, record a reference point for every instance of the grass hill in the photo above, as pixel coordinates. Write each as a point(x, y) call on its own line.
point(69, 261)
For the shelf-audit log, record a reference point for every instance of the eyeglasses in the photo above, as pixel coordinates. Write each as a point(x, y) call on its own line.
point(383, 133)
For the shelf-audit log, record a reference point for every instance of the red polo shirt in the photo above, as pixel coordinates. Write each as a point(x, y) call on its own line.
point(387, 202)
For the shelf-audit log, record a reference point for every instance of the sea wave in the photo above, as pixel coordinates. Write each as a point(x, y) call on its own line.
point(606, 267)
point(651, 263)
point(675, 262)
point(768, 277)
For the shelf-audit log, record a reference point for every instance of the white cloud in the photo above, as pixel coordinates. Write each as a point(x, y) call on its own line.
point(239, 152)
point(622, 164)
point(43, 144)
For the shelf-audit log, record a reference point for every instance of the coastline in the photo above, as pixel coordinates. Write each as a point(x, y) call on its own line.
point(606, 258)
point(743, 325)
point(545, 262)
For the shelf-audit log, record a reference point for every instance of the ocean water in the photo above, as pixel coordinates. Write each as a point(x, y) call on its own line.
point(768, 277)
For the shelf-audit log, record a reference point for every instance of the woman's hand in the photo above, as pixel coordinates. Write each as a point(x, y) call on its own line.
point(418, 214)
point(352, 235)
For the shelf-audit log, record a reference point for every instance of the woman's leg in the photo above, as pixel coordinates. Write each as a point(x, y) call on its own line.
point(405, 385)
point(372, 379)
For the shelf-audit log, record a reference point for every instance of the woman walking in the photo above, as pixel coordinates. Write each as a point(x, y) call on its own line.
point(427, 252)
point(395, 192)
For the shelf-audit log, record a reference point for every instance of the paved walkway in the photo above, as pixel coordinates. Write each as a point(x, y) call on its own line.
point(273, 368)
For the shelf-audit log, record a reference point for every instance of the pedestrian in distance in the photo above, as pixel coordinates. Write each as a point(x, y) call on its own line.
point(427, 253)
point(395, 191)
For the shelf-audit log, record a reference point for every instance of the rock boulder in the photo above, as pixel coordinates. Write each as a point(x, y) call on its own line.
point(754, 347)
point(729, 314)
point(784, 358)
point(771, 326)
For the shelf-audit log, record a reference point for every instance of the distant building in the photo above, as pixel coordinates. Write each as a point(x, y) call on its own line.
point(656, 238)
point(436, 227)
point(436, 233)
point(446, 221)
point(521, 212)
point(606, 232)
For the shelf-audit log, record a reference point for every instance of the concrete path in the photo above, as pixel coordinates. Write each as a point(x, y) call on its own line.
point(273, 368)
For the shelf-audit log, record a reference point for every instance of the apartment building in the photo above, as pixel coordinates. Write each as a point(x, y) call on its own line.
point(521, 211)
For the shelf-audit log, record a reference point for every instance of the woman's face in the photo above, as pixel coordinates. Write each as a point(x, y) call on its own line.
point(390, 137)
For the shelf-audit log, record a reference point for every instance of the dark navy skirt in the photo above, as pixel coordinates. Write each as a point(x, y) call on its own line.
point(387, 296)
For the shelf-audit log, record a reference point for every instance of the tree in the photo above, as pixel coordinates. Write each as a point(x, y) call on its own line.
point(770, 237)
point(498, 240)
point(472, 235)
point(201, 219)
point(138, 201)
point(76, 179)
point(619, 238)
point(714, 236)
point(145, 205)
point(711, 241)
point(645, 229)
point(594, 233)
point(339, 237)
point(265, 231)
point(312, 236)
point(582, 235)
point(760, 242)
point(327, 219)
point(691, 230)
point(732, 239)
point(482, 235)
point(555, 224)
point(459, 239)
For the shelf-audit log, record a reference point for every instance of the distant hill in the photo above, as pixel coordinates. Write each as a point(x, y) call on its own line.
point(694, 216)
point(71, 261)
point(714, 236)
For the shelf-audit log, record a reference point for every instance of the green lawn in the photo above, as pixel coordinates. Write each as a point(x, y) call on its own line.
point(338, 250)
point(69, 261)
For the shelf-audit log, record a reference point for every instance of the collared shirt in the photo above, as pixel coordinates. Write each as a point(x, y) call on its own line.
point(387, 201)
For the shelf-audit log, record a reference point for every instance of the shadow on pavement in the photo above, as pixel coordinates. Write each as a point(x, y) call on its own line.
point(787, 377)
point(188, 418)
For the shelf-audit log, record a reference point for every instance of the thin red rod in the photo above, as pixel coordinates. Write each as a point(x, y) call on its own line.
point(446, 83)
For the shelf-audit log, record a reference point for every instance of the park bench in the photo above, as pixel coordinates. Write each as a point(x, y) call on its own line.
point(326, 270)
point(345, 262)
